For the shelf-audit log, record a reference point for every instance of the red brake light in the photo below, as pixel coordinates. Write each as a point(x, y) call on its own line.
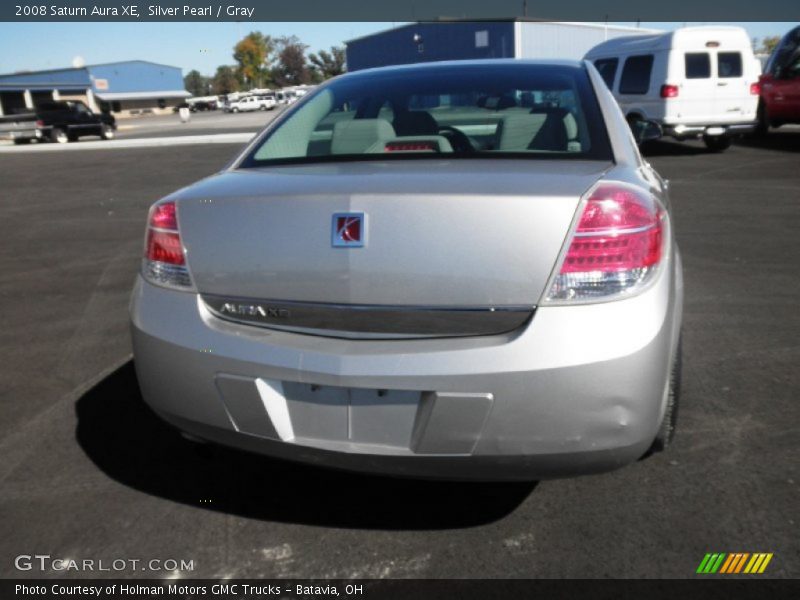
point(755, 89)
point(166, 247)
point(164, 260)
point(669, 91)
point(164, 216)
point(39, 123)
point(619, 237)
point(420, 146)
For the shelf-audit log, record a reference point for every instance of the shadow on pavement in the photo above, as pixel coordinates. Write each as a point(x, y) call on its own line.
point(783, 141)
point(664, 147)
point(129, 443)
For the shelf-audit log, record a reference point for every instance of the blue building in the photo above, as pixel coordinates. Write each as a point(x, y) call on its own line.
point(125, 88)
point(464, 40)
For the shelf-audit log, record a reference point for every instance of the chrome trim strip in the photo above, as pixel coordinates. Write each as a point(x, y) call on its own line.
point(369, 321)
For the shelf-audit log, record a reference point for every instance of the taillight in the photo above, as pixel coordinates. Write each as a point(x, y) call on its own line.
point(39, 123)
point(669, 91)
point(755, 89)
point(164, 261)
point(616, 247)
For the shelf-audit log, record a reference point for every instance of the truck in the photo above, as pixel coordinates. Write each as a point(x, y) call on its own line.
point(58, 121)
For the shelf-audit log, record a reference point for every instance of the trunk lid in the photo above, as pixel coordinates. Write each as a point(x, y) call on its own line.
point(460, 233)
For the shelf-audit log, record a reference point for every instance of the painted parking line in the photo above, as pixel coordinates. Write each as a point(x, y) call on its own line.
point(183, 140)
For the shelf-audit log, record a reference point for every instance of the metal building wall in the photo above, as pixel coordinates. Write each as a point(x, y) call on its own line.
point(136, 76)
point(44, 80)
point(567, 40)
point(436, 42)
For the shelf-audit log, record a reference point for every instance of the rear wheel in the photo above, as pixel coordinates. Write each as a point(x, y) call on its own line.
point(20, 141)
point(59, 136)
point(666, 433)
point(717, 143)
point(762, 127)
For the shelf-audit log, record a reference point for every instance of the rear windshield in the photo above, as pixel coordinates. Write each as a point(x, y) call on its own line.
point(464, 111)
point(729, 64)
point(698, 65)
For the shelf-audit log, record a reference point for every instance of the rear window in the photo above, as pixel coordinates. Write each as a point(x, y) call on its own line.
point(698, 65)
point(729, 64)
point(636, 75)
point(468, 111)
point(607, 67)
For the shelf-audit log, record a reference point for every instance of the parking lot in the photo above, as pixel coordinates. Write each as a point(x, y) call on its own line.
point(89, 472)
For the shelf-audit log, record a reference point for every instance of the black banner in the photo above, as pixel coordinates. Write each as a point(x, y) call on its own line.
point(713, 587)
point(397, 10)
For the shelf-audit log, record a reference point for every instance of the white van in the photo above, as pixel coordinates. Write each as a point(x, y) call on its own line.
point(694, 81)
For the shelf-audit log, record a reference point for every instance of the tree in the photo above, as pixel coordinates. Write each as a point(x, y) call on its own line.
point(291, 67)
point(251, 54)
point(768, 44)
point(195, 83)
point(328, 64)
point(225, 81)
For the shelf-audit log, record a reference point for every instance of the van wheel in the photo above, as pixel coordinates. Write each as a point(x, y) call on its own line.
point(717, 143)
point(59, 136)
point(669, 423)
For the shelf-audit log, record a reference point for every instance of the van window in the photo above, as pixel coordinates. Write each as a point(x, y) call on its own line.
point(698, 65)
point(607, 67)
point(636, 75)
point(729, 64)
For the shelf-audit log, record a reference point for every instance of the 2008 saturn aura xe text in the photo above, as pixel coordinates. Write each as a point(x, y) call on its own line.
point(455, 270)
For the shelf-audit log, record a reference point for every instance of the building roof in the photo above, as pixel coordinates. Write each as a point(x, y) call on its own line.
point(446, 21)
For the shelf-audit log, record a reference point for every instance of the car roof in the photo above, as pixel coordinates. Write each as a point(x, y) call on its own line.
point(466, 64)
point(669, 39)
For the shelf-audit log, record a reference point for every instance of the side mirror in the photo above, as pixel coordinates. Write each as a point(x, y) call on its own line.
point(646, 131)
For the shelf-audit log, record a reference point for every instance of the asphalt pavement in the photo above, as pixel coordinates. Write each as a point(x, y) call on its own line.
point(88, 472)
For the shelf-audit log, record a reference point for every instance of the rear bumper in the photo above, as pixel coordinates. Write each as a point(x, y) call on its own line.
point(32, 133)
point(578, 390)
point(681, 130)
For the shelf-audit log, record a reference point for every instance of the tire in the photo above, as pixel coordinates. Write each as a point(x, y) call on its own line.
point(234, 110)
point(106, 132)
point(21, 141)
point(762, 127)
point(59, 136)
point(669, 423)
point(717, 143)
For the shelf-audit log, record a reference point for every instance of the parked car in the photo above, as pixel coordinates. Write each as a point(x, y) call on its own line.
point(694, 81)
point(21, 128)
point(62, 122)
point(268, 101)
point(411, 273)
point(244, 104)
point(780, 84)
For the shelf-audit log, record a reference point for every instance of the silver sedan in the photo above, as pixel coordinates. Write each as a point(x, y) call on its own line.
point(456, 270)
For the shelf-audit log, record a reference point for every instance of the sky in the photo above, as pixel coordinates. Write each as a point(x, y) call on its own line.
point(198, 45)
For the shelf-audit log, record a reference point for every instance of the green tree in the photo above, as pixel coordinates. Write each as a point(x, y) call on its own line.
point(328, 64)
point(768, 44)
point(224, 80)
point(195, 83)
point(291, 67)
point(251, 54)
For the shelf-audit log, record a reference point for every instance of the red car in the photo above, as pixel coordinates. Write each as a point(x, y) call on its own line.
point(780, 84)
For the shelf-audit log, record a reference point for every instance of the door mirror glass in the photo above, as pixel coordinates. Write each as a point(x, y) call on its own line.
point(646, 131)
